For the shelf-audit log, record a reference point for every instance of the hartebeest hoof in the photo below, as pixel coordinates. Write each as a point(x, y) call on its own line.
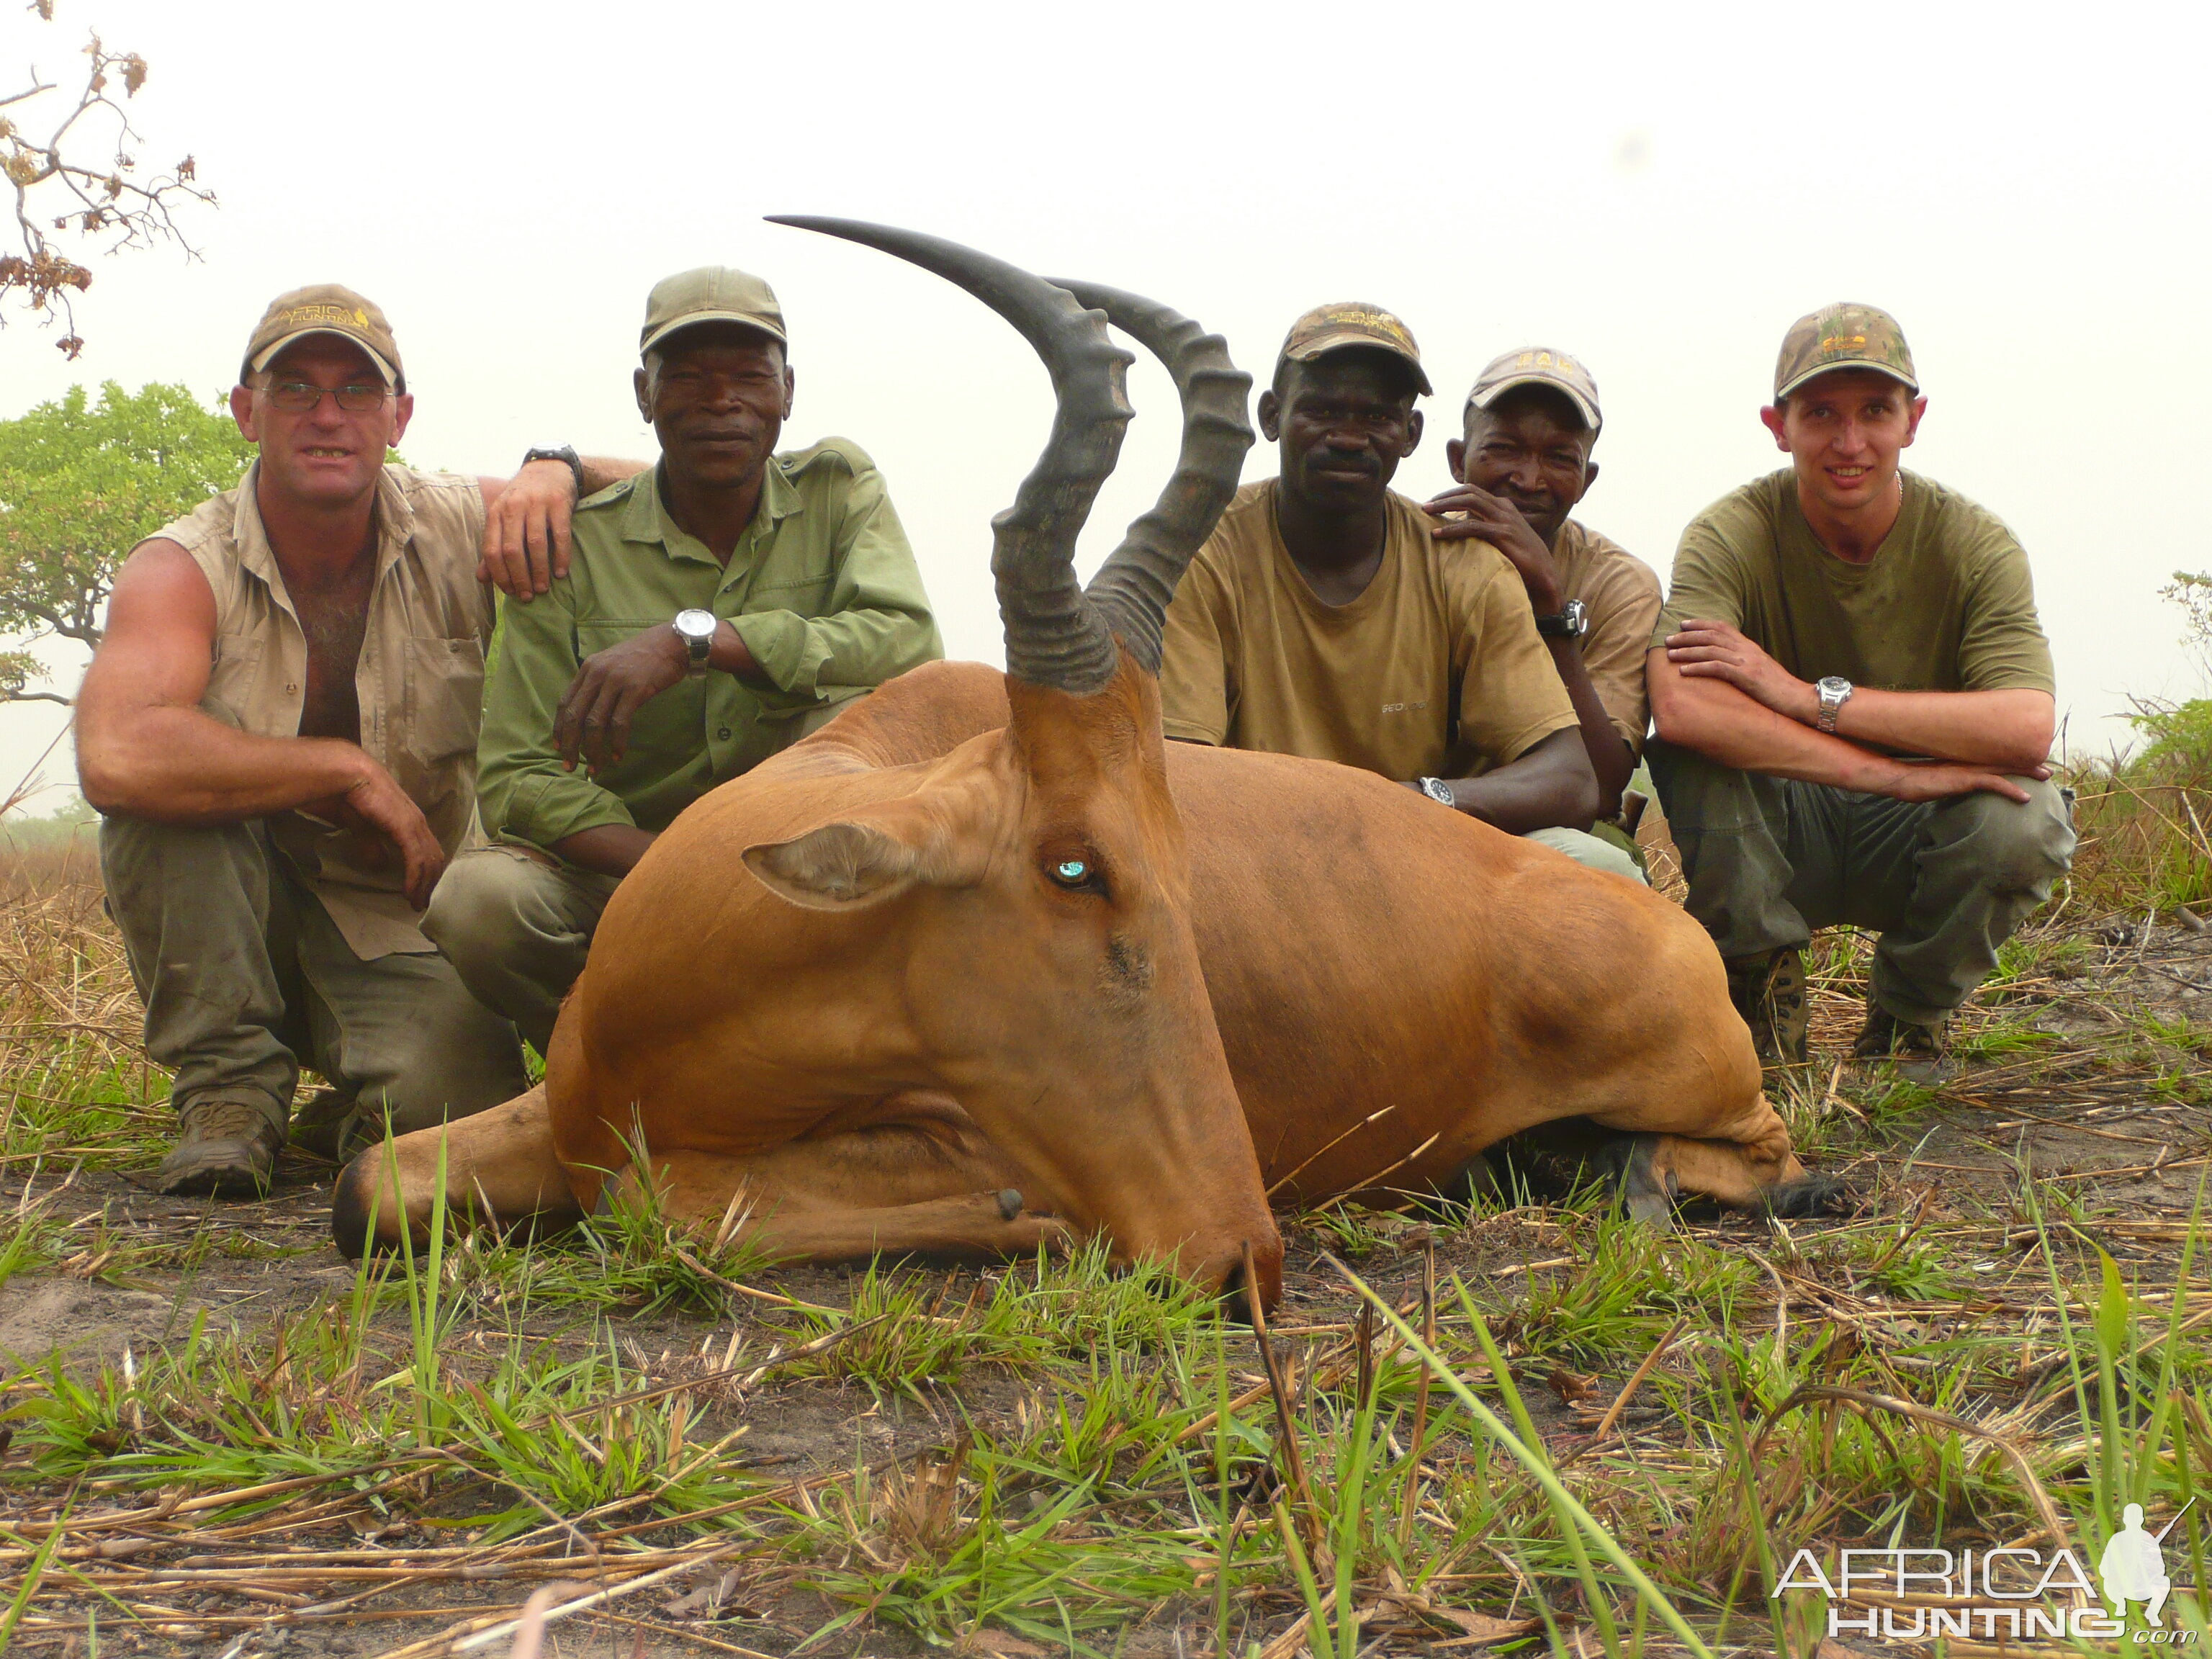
point(1811, 1194)
point(1647, 1193)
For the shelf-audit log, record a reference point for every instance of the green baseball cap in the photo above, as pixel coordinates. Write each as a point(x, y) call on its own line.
point(1539, 366)
point(712, 293)
point(1348, 322)
point(323, 308)
point(1843, 336)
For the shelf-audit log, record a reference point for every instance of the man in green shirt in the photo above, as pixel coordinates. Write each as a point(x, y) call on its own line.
point(1854, 702)
point(714, 610)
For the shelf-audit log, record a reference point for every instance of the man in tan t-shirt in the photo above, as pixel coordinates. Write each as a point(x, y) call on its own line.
point(1855, 703)
point(1323, 618)
point(1531, 421)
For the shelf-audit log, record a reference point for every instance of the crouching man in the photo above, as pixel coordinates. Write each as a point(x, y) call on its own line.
point(280, 729)
point(714, 609)
point(1853, 701)
point(1323, 617)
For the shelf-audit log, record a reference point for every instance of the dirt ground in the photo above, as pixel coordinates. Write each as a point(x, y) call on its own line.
point(2108, 1105)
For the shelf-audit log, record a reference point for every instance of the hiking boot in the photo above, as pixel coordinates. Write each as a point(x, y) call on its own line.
point(319, 1128)
point(228, 1150)
point(1917, 1051)
point(1769, 991)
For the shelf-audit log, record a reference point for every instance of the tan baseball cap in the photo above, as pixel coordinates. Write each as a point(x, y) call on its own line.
point(1348, 322)
point(323, 308)
point(712, 293)
point(1539, 366)
point(1843, 336)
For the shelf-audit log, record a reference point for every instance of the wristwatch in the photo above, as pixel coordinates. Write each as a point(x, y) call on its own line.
point(1835, 691)
point(696, 630)
point(564, 454)
point(1437, 791)
point(1572, 622)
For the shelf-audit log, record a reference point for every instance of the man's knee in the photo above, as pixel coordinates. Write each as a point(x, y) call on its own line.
point(487, 907)
point(1589, 851)
point(2014, 845)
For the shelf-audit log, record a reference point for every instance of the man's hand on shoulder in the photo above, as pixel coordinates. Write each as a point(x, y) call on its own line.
point(1706, 649)
point(527, 540)
point(593, 722)
point(1488, 517)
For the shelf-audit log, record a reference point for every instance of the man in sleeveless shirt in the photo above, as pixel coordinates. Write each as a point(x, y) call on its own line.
point(1855, 703)
point(279, 728)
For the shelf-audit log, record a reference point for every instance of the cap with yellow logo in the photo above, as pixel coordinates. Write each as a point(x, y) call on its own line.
point(712, 293)
point(1347, 323)
point(1844, 336)
point(1539, 366)
point(323, 308)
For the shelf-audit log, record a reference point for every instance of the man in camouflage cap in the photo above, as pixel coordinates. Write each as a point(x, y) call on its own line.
point(1855, 704)
point(1323, 618)
point(280, 729)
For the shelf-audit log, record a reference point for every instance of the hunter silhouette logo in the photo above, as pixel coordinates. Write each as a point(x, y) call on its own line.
point(2133, 1567)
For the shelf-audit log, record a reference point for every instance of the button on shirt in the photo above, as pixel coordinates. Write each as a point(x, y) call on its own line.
point(822, 587)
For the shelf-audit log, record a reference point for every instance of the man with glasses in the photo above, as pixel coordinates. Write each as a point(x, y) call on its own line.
point(280, 729)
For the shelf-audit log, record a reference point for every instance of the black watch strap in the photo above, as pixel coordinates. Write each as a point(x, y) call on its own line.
point(1570, 623)
point(566, 455)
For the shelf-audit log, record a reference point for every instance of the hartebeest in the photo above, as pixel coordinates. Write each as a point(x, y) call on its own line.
point(985, 958)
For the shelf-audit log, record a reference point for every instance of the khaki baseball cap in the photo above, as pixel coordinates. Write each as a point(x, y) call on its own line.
point(323, 308)
point(1843, 336)
point(1348, 322)
point(712, 293)
point(1539, 366)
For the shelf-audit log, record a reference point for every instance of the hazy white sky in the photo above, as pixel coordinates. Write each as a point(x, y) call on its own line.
point(1660, 189)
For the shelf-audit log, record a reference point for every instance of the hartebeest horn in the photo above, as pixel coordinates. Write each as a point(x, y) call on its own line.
point(1056, 636)
point(1134, 587)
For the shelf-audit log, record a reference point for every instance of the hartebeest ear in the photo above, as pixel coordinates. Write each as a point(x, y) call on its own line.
point(879, 852)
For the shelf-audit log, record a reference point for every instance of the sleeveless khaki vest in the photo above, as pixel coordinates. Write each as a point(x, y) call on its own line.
point(420, 679)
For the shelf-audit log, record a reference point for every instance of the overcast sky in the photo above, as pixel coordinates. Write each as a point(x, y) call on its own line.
point(1659, 190)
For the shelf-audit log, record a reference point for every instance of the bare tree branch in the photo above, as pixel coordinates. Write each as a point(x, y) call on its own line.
point(78, 179)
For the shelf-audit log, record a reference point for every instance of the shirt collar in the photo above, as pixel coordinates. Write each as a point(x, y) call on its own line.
point(395, 527)
point(646, 519)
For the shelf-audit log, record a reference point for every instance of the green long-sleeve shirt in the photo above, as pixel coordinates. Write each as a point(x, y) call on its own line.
point(822, 587)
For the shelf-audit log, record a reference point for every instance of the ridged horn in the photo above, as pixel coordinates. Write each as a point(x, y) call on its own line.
point(1134, 587)
point(1054, 636)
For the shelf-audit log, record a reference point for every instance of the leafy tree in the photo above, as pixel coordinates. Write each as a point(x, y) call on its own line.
point(68, 161)
point(80, 485)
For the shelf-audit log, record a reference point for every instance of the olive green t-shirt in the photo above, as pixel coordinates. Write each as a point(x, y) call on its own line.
point(1437, 669)
point(1944, 604)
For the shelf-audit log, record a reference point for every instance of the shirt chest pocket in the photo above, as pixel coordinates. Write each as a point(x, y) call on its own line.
point(445, 697)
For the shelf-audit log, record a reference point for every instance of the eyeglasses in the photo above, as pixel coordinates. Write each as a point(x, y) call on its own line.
point(298, 398)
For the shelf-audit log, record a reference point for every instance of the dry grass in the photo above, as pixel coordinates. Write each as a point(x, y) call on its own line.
point(1046, 1457)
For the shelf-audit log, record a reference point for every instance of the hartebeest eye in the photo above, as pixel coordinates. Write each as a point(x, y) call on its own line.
point(1074, 874)
point(1071, 873)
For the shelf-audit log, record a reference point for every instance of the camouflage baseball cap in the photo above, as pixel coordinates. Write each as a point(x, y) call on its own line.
point(1843, 336)
point(1539, 366)
point(712, 293)
point(323, 308)
point(1348, 322)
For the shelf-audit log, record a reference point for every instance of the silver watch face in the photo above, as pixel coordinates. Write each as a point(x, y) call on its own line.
point(696, 625)
point(1833, 688)
point(1439, 792)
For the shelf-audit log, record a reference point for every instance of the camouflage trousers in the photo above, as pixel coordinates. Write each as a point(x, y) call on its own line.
point(1944, 883)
